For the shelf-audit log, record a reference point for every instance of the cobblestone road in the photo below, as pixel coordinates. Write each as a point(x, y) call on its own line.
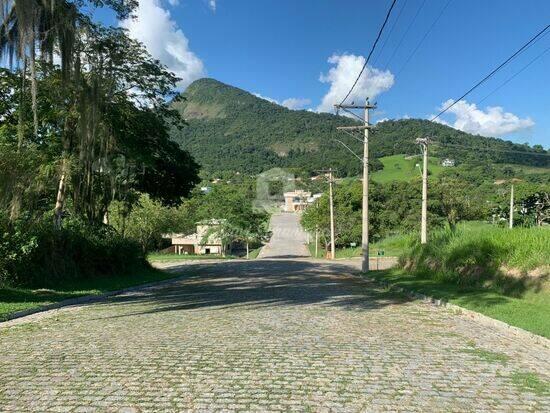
point(266, 335)
point(288, 239)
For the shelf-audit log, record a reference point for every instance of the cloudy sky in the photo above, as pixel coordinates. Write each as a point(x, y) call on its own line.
point(306, 54)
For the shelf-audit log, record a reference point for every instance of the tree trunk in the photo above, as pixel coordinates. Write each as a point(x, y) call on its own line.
point(15, 204)
point(34, 88)
point(21, 124)
point(247, 252)
point(61, 190)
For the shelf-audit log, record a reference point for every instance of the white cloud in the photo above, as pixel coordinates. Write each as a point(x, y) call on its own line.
point(155, 28)
point(174, 2)
point(341, 77)
point(290, 103)
point(212, 5)
point(266, 98)
point(382, 120)
point(493, 121)
point(295, 103)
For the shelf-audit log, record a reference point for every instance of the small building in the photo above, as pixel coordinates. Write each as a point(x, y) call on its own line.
point(448, 162)
point(204, 241)
point(313, 198)
point(296, 200)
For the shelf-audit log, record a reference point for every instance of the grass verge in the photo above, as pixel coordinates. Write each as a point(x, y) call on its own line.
point(530, 311)
point(185, 257)
point(392, 246)
point(19, 299)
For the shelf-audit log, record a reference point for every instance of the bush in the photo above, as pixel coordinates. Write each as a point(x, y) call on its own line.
point(481, 255)
point(38, 255)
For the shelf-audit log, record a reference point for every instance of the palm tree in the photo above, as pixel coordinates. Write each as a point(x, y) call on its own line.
point(28, 26)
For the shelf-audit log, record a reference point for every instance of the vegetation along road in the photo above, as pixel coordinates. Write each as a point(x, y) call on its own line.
point(272, 334)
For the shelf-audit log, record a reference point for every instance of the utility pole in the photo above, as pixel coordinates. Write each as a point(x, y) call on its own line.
point(365, 160)
point(331, 199)
point(331, 207)
point(316, 242)
point(512, 207)
point(424, 222)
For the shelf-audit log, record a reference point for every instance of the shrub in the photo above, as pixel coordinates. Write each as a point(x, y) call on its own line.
point(37, 255)
point(478, 255)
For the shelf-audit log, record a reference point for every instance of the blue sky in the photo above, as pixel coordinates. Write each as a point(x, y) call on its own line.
point(281, 50)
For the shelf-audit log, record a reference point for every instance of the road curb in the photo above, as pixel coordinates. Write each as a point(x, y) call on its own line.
point(85, 299)
point(486, 320)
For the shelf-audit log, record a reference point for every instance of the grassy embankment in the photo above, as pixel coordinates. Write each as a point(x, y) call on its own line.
point(18, 299)
point(392, 246)
point(402, 168)
point(498, 272)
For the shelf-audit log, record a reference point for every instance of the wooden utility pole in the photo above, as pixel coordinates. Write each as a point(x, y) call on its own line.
point(365, 160)
point(424, 220)
point(331, 200)
point(316, 242)
point(512, 207)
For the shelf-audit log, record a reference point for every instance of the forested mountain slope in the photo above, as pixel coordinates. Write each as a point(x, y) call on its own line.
point(233, 130)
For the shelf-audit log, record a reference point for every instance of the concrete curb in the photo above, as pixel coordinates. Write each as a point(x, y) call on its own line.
point(85, 299)
point(486, 320)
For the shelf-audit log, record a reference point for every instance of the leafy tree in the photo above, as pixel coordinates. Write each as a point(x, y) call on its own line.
point(146, 222)
point(456, 201)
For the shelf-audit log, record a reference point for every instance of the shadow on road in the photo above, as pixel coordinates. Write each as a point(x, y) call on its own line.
point(266, 282)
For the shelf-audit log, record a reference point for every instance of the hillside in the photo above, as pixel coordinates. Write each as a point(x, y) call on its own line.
point(233, 130)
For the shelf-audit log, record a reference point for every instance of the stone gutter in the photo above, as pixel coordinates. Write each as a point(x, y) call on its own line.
point(474, 315)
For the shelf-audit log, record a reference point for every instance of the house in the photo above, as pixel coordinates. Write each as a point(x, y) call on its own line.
point(296, 200)
point(204, 241)
point(448, 162)
point(313, 198)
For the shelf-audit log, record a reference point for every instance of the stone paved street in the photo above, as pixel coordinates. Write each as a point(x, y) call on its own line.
point(265, 335)
point(288, 238)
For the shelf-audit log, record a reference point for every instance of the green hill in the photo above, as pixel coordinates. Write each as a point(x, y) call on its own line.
point(232, 130)
point(403, 168)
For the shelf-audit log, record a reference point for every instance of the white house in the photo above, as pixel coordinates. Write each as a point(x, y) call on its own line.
point(296, 200)
point(448, 162)
point(204, 241)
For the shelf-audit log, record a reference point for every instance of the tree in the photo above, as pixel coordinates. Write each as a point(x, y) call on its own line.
point(145, 223)
point(109, 113)
point(456, 200)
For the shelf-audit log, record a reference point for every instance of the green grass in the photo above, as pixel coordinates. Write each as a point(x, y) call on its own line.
point(18, 299)
point(531, 382)
point(485, 247)
point(397, 168)
point(530, 311)
point(253, 254)
point(392, 246)
point(495, 271)
point(177, 257)
point(486, 355)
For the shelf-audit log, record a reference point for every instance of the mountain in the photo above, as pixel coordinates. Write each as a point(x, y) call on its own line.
point(230, 129)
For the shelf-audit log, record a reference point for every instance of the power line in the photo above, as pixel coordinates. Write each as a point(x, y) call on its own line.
point(515, 74)
point(390, 33)
point(405, 34)
point(371, 51)
point(521, 49)
point(424, 37)
point(488, 149)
